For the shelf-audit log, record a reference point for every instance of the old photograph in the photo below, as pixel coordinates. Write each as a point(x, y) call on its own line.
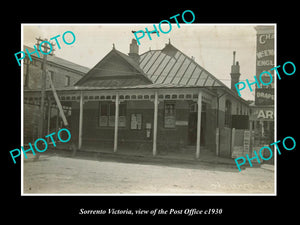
point(180, 113)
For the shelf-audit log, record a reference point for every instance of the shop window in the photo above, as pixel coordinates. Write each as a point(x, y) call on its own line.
point(169, 115)
point(107, 114)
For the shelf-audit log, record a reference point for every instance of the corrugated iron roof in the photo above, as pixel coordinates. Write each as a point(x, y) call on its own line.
point(170, 65)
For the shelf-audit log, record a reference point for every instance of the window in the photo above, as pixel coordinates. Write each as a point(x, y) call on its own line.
point(103, 118)
point(107, 114)
point(170, 115)
point(67, 81)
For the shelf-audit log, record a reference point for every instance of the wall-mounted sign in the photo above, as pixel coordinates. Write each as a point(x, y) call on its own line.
point(264, 62)
point(136, 122)
point(264, 38)
point(181, 123)
point(264, 114)
point(264, 96)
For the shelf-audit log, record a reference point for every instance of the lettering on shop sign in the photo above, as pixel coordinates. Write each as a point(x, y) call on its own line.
point(268, 62)
point(264, 53)
point(40, 142)
point(23, 54)
point(265, 95)
point(265, 114)
point(183, 17)
point(263, 38)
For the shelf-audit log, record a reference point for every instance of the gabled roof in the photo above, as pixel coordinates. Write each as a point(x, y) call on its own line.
point(170, 65)
point(132, 62)
point(132, 78)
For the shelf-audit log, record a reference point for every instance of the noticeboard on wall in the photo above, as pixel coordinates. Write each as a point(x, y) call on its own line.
point(136, 121)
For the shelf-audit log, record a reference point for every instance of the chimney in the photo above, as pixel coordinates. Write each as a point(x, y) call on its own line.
point(134, 51)
point(235, 73)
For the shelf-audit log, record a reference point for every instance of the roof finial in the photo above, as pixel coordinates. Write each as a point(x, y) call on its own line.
point(113, 45)
point(169, 41)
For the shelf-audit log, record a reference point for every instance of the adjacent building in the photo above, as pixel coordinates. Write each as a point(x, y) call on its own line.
point(63, 73)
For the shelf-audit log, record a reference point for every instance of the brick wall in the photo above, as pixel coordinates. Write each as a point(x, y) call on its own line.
point(59, 75)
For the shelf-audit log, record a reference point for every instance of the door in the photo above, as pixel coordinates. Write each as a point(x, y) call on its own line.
point(192, 125)
point(192, 128)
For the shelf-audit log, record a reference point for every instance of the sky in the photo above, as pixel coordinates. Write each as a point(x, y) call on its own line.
point(212, 46)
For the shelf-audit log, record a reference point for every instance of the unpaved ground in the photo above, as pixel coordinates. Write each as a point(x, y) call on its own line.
point(54, 174)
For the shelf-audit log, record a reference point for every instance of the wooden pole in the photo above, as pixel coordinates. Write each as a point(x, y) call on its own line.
point(250, 143)
point(43, 87)
point(199, 124)
point(61, 110)
point(48, 118)
point(116, 122)
point(217, 140)
point(80, 121)
point(155, 123)
point(57, 119)
point(232, 141)
point(42, 106)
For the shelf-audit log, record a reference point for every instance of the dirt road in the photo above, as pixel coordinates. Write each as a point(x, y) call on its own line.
point(54, 174)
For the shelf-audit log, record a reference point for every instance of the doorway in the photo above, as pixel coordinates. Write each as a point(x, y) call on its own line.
point(192, 124)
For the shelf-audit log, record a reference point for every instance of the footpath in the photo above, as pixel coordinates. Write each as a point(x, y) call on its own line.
point(186, 157)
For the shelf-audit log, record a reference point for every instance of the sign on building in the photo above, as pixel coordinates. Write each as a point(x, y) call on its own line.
point(264, 96)
point(265, 62)
point(262, 113)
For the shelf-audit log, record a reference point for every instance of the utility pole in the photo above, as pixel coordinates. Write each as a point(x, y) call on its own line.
point(43, 84)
